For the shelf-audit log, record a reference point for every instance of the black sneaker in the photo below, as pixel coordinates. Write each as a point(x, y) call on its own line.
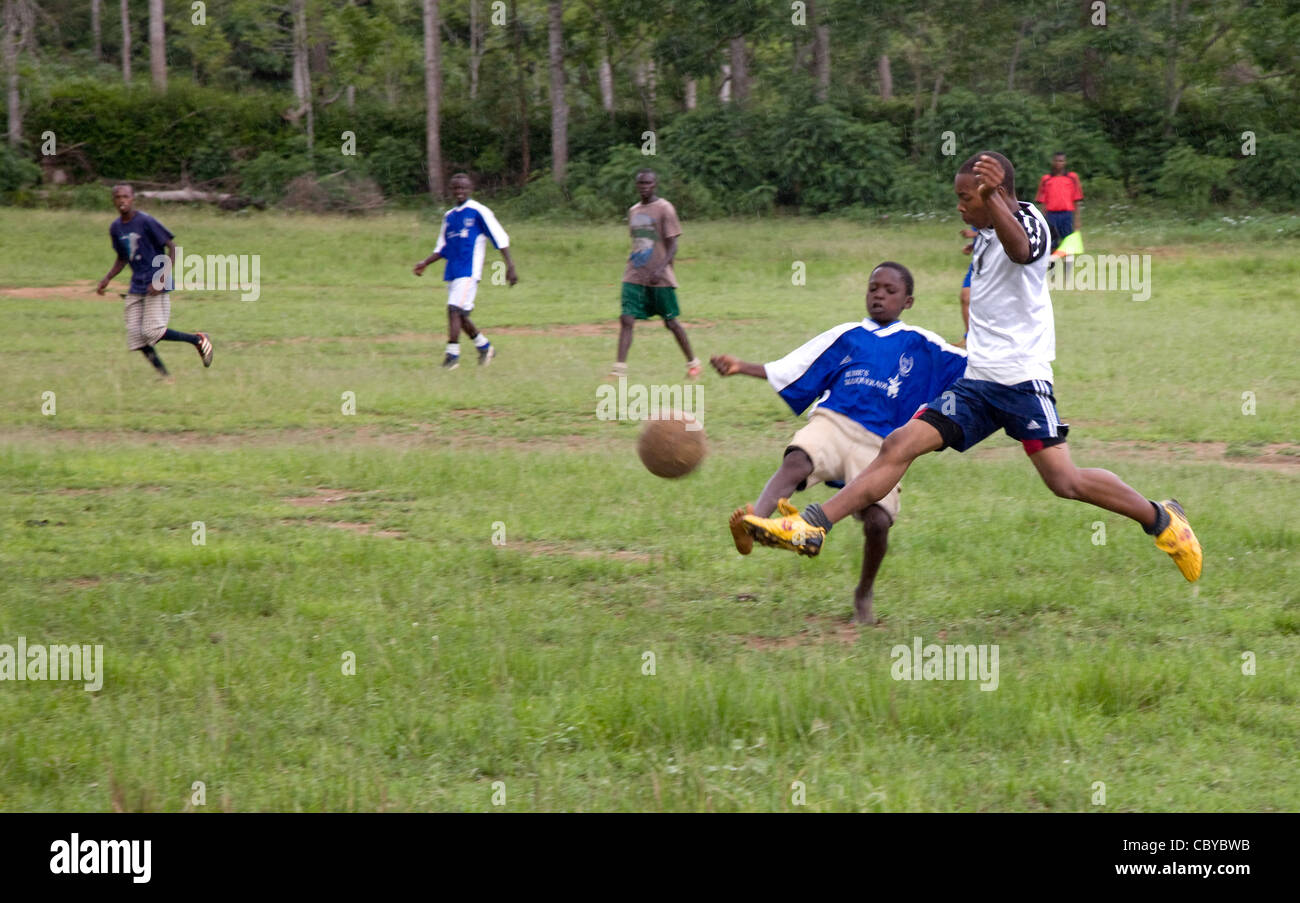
point(450, 362)
point(485, 355)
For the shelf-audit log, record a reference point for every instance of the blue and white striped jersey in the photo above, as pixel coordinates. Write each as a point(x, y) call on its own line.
point(876, 375)
point(463, 239)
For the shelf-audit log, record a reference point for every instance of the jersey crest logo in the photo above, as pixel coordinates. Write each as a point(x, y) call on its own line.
point(904, 365)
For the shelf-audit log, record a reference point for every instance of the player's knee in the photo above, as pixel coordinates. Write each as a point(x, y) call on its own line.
point(627, 321)
point(876, 522)
point(1065, 485)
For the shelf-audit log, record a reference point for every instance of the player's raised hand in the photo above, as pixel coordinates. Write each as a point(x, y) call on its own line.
point(725, 364)
point(988, 175)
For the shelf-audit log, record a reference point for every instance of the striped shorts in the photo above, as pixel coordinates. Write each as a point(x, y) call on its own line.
point(146, 319)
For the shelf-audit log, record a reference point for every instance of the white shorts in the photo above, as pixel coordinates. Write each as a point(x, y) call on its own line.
point(461, 292)
point(146, 319)
point(840, 449)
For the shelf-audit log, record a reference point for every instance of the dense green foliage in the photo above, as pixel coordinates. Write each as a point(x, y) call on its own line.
point(1195, 102)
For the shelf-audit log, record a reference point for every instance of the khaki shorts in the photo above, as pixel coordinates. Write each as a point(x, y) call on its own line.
point(841, 449)
point(146, 319)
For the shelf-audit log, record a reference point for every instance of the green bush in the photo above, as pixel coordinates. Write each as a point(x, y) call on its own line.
point(1193, 179)
point(268, 175)
point(16, 171)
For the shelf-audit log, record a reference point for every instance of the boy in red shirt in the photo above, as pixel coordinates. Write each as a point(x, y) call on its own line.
point(1058, 192)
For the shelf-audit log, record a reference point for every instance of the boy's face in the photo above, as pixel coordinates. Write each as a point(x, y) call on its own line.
point(460, 189)
point(970, 205)
point(123, 199)
point(887, 295)
point(1058, 164)
point(645, 186)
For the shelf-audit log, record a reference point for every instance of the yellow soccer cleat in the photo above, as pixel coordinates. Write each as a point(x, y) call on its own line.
point(1180, 542)
point(785, 509)
point(790, 532)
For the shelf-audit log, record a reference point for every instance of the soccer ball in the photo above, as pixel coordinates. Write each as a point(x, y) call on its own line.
point(673, 445)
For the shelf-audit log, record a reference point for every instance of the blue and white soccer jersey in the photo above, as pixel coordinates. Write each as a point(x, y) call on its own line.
point(462, 241)
point(1010, 347)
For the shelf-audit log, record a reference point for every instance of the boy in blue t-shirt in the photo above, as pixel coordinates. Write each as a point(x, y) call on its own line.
point(146, 244)
point(462, 242)
point(863, 381)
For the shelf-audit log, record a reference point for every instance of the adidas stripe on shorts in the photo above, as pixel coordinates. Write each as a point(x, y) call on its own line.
point(461, 292)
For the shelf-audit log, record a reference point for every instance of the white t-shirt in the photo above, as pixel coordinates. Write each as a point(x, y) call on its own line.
point(1012, 337)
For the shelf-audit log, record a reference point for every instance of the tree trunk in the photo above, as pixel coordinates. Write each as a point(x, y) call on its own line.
point(96, 30)
point(522, 91)
point(690, 89)
point(724, 92)
point(559, 106)
point(433, 97)
point(157, 46)
point(1015, 56)
point(11, 44)
point(126, 42)
point(822, 62)
point(646, 81)
point(739, 71)
point(606, 78)
point(886, 74)
point(302, 71)
point(475, 45)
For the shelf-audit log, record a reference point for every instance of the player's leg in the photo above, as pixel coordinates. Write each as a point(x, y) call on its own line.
point(452, 359)
point(1164, 520)
point(133, 316)
point(790, 477)
point(804, 533)
point(634, 307)
point(665, 304)
point(875, 542)
point(199, 340)
point(466, 290)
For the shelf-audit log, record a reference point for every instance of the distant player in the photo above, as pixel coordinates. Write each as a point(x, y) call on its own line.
point(1008, 384)
point(462, 241)
point(863, 381)
point(1059, 194)
point(649, 284)
point(145, 244)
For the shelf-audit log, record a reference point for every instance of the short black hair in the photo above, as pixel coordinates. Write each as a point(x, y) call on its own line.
point(460, 175)
point(903, 271)
point(127, 185)
point(642, 172)
point(1058, 153)
point(1009, 171)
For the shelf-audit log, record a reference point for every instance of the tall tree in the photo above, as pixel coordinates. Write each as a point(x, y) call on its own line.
point(821, 51)
point(433, 97)
point(559, 105)
point(157, 46)
point(521, 92)
point(126, 41)
point(476, 40)
point(19, 28)
point(739, 70)
point(302, 89)
point(96, 30)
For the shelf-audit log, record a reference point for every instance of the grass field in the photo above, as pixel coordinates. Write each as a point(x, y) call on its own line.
point(523, 663)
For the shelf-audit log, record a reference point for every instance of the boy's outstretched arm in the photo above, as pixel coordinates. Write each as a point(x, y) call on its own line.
point(423, 264)
point(728, 365)
point(1002, 208)
point(103, 283)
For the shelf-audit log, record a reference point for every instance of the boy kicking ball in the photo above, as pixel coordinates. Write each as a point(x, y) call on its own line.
point(1008, 384)
point(462, 240)
point(844, 374)
point(146, 244)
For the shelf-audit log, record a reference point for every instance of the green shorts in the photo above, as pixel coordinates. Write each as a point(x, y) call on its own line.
point(646, 301)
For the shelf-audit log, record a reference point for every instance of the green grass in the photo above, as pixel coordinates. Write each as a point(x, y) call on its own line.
point(523, 662)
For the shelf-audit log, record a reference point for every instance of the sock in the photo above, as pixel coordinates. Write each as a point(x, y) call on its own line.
point(693, 362)
point(172, 335)
point(619, 369)
point(814, 515)
point(152, 357)
point(453, 348)
point(480, 341)
point(1162, 520)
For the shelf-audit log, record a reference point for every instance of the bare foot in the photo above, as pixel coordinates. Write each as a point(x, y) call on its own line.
point(744, 542)
point(863, 608)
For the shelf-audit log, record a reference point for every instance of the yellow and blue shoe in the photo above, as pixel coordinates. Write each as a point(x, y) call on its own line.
point(789, 531)
point(1179, 541)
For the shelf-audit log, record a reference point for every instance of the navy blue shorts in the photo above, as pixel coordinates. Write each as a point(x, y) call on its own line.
point(971, 410)
point(1061, 224)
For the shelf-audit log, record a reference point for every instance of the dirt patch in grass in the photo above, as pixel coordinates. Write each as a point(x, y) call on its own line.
point(323, 497)
point(558, 330)
point(73, 291)
point(536, 547)
point(1283, 456)
point(818, 631)
point(350, 526)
